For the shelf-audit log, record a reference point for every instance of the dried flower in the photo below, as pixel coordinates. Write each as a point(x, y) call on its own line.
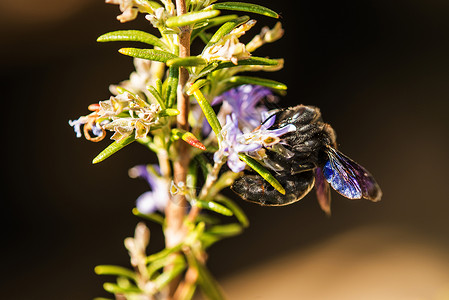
point(141, 115)
point(136, 247)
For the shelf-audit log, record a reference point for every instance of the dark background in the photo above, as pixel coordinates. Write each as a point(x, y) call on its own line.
point(377, 69)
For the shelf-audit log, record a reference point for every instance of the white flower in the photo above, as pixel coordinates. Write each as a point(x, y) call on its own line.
point(129, 12)
point(229, 48)
point(266, 35)
point(158, 18)
point(130, 8)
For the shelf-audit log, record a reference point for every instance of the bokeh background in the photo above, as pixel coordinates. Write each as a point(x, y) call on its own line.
point(379, 71)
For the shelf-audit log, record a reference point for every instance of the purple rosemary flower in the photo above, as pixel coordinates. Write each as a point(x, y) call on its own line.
point(232, 144)
point(76, 124)
point(242, 101)
point(235, 142)
point(158, 197)
point(266, 137)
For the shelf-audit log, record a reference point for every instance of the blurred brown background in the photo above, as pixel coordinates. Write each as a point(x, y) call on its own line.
point(379, 71)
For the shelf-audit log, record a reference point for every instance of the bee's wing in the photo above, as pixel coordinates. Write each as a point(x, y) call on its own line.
point(349, 178)
point(323, 192)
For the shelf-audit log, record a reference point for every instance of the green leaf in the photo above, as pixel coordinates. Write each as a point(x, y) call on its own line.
point(152, 217)
point(169, 112)
point(112, 148)
point(276, 85)
point(122, 90)
point(159, 86)
point(197, 85)
point(226, 230)
point(172, 85)
point(219, 20)
point(116, 289)
point(150, 54)
point(213, 206)
point(219, 232)
point(208, 284)
point(252, 61)
point(212, 23)
point(132, 35)
point(246, 7)
point(238, 212)
point(190, 61)
point(156, 96)
point(208, 111)
point(156, 265)
point(115, 270)
point(225, 29)
point(168, 275)
point(206, 70)
point(153, 4)
point(191, 18)
point(262, 171)
point(164, 253)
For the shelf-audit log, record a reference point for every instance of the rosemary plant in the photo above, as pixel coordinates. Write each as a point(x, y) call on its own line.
point(169, 105)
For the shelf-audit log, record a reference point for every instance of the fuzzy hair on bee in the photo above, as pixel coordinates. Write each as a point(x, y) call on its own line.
point(311, 160)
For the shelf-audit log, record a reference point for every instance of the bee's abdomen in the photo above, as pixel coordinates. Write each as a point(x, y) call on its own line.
point(252, 187)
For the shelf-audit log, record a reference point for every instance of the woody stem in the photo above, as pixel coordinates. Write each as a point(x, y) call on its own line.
point(176, 209)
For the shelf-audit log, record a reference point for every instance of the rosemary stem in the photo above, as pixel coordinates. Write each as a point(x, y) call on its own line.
point(176, 209)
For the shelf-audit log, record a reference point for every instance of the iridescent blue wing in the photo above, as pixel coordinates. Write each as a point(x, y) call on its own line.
point(349, 178)
point(323, 192)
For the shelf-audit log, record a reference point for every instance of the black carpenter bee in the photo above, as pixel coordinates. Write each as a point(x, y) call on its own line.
point(313, 161)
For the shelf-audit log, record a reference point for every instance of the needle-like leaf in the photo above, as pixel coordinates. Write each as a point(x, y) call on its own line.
point(191, 18)
point(172, 85)
point(190, 61)
point(112, 148)
point(225, 29)
point(214, 206)
point(133, 35)
point(150, 54)
point(211, 23)
point(115, 270)
point(238, 212)
point(207, 109)
point(254, 60)
point(246, 7)
point(116, 289)
point(272, 84)
point(262, 171)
